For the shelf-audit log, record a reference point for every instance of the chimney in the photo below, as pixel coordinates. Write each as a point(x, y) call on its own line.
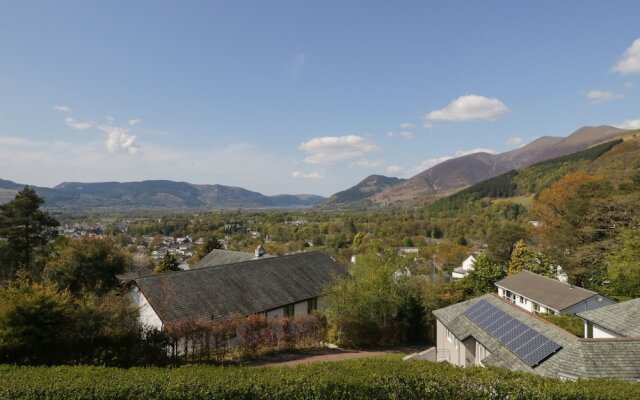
point(259, 251)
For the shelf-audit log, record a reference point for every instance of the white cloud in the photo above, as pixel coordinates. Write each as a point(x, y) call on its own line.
point(296, 65)
point(133, 122)
point(629, 124)
point(406, 135)
point(310, 175)
point(601, 96)
point(394, 169)
point(78, 125)
point(407, 125)
point(333, 149)
point(515, 141)
point(469, 108)
point(629, 85)
point(119, 140)
point(427, 125)
point(61, 108)
point(629, 63)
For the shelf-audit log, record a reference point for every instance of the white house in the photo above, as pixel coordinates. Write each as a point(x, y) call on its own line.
point(620, 320)
point(493, 331)
point(463, 270)
point(275, 286)
point(537, 293)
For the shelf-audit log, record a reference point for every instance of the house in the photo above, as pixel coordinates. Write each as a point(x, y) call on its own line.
point(275, 286)
point(403, 251)
point(537, 293)
point(619, 320)
point(492, 331)
point(223, 257)
point(463, 270)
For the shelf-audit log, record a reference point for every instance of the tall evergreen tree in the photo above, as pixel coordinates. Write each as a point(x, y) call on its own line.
point(167, 264)
point(25, 228)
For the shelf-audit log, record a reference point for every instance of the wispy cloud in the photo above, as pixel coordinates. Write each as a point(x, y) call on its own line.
point(629, 63)
point(469, 108)
point(296, 65)
point(333, 149)
point(601, 96)
point(629, 85)
point(308, 175)
point(364, 163)
point(407, 125)
point(61, 108)
point(133, 122)
point(629, 124)
point(515, 141)
point(394, 169)
point(406, 135)
point(77, 125)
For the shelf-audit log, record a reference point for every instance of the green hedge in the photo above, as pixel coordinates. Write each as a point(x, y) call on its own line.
point(374, 378)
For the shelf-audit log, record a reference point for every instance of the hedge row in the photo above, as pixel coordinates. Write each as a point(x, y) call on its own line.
point(374, 378)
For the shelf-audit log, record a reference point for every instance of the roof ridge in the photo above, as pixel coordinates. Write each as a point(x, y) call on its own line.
point(231, 264)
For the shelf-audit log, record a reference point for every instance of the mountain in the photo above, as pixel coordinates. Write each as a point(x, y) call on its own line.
point(155, 194)
point(361, 192)
point(457, 173)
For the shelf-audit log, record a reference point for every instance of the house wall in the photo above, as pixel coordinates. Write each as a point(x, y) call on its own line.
point(278, 312)
point(592, 303)
point(599, 332)
point(147, 315)
point(524, 302)
point(449, 348)
point(301, 308)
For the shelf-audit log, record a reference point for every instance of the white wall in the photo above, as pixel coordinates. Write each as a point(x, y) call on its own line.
point(278, 312)
point(147, 315)
point(301, 308)
point(599, 332)
point(450, 350)
point(592, 303)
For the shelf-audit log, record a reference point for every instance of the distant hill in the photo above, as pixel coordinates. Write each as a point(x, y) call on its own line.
point(155, 194)
point(360, 193)
point(457, 173)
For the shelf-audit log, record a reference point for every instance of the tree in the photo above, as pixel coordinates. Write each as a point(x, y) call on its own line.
point(525, 258)
point(484, 275)
point(623, 265)
point(26, 228)
point(365, 308)
point(207, 247)
point(167, 264)
point(87, 264)
point(502, 240)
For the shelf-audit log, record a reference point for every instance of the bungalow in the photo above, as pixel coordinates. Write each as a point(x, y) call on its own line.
point(620, 320)
point(464, 269)
point(492, 331)
point(537, 293)
point(275, 286)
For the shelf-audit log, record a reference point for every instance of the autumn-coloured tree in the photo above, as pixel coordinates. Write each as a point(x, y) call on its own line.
point(525, 258)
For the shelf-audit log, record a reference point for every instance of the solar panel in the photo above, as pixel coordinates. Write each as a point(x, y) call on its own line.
point(529, 345)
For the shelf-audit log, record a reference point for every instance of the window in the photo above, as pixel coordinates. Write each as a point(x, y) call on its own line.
point(312, 305)
point(450, 336)
point(289, 310)
point(589, 330)
point(481, 352)
point(536, 307)
point(521, 299)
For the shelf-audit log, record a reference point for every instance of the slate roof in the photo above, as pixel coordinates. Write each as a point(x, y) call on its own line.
point(241, 288)
point(621, 318)
point(546, 291)
point(583, 358)
point(223, 257)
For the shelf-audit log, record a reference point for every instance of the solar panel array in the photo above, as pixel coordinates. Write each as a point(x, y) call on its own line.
point(528, 344)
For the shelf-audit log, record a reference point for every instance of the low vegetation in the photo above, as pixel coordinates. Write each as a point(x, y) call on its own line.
point(376, 378)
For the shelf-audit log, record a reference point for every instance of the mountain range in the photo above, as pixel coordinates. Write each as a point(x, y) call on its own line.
point(155, 194)
point(457, 173)
point(438, 181)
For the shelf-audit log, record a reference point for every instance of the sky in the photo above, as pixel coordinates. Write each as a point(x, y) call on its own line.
point(300, 96)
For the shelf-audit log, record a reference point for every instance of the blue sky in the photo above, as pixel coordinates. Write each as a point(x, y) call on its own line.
point(300, 96)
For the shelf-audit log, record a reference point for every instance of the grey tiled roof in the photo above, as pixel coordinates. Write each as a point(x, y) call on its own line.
point(223, 257)
point(546, 291)
point(604, 358)
point(241, 288)
point(622, 318)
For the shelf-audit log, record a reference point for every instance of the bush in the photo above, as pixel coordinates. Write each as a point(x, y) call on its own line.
point(374, 378)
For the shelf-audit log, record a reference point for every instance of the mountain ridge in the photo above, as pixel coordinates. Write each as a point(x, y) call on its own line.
point(155, 194)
